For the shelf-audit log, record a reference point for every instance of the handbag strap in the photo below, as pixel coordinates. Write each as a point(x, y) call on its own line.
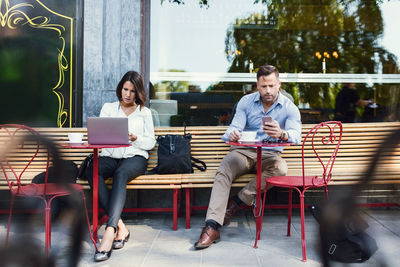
point(201, 168)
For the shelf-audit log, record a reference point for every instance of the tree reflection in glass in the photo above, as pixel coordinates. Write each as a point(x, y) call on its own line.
point(288, 34)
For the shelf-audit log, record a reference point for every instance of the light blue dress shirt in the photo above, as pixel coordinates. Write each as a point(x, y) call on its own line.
point(250, 110)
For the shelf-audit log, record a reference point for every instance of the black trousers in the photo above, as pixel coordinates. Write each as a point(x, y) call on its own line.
point(122, 171)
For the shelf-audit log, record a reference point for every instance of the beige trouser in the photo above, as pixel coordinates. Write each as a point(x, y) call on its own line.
point(238, 161)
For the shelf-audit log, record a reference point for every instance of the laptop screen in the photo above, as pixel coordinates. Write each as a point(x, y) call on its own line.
point(107, 131)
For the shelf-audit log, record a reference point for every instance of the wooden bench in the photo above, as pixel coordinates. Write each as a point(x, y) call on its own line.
point(360, 142)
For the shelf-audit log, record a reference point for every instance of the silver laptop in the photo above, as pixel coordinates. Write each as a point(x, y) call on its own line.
point(107, 131)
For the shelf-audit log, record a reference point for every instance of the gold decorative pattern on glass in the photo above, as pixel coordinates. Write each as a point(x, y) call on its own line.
point(14, 16)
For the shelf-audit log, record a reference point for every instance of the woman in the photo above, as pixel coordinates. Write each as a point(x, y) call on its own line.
point(125, 163)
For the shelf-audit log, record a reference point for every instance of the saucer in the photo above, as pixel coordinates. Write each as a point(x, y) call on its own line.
point(248, 141)
point(75, 142)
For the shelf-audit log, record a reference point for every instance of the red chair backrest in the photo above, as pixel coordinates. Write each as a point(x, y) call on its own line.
point(326, 137)
point(18, 138)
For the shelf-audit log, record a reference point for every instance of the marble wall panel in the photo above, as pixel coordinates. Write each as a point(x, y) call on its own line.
point(111, 47)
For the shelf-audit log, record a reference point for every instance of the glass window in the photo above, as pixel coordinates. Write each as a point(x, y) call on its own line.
point(204, 55)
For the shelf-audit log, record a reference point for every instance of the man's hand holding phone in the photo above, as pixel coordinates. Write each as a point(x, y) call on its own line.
point(271, 127)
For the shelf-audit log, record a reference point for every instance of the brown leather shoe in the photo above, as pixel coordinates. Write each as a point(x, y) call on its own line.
point(230, 210)
point(208, 236)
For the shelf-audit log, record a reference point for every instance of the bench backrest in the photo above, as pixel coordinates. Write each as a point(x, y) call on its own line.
point(359, 143)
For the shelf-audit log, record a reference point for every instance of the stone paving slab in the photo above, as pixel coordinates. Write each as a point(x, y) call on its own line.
point(154, 243)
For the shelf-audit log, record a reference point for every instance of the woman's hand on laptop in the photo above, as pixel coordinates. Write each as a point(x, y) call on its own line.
point(132, 137)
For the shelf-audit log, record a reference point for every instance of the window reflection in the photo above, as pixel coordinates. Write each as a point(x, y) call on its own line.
point(194, 107)
point(317, 37)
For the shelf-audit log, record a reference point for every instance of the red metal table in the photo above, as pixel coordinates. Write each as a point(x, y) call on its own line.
point(95, 176)
point(257, 207)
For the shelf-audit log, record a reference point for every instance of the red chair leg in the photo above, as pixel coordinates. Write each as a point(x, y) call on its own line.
point(289, 212)
point(10, 213)
point(326, 193)
point(303, 236)
point(187, 202)
point(262, 216)
point(47, 229)
point(262, 211)
point(175, 209)
point(87, 220)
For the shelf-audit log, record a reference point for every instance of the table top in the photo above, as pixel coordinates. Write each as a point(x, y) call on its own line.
point(86, 145)
point(260, 144)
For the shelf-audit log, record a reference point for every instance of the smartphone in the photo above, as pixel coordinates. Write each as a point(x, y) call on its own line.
point(266, 119)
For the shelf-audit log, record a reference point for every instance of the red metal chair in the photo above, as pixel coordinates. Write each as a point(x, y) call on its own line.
point(26, 140)
point(327, 134)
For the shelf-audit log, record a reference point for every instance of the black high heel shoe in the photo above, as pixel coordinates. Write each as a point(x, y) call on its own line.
point(102, 255)
point(119, 243)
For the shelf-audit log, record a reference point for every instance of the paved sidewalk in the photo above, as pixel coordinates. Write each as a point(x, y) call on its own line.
point(154, 243)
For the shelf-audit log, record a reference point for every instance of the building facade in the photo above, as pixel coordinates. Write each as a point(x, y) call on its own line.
point(198, 57)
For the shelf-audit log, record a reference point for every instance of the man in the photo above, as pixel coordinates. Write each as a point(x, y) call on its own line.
point(346, 102)
point(285, 126)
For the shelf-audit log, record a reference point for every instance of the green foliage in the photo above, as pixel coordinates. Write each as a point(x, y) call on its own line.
point(288, 34)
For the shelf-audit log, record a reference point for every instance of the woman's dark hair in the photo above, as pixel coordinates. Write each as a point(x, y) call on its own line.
point(267, 70)
point(137, 80)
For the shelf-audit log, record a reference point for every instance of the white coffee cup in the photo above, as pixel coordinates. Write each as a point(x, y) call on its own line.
point(75, 137)
point(248, 135)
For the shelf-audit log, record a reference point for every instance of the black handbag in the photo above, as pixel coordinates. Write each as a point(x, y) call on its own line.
point(174, 155)
point(347, 242)
point(85, 164)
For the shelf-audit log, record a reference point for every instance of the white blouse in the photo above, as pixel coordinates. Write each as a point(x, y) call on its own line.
point(140, 123)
